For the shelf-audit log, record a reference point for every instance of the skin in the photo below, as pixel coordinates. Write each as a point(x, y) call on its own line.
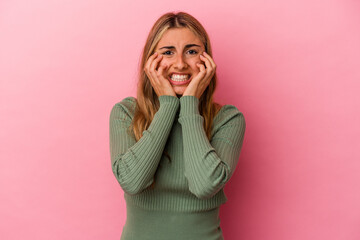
point(180, 59)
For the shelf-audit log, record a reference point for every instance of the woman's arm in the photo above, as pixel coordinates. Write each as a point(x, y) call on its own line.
point(209, 165)
point(134, 163)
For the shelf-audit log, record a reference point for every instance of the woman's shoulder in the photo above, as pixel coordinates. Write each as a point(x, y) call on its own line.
point(129, 101)
point(226, 112)
point(125, 106)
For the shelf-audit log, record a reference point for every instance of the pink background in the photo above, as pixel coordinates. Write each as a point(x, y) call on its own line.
point(291, 67)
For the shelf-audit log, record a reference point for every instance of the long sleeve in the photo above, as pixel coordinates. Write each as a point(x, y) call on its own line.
point(134, 163)
point(209, 165)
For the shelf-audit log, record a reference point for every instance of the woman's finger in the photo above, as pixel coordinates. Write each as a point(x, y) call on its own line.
point(154, 65)
point(209, 68)
point(205, 54)
point(202, 72)
point(149, 61)
point(160, 72)
point(207, 62)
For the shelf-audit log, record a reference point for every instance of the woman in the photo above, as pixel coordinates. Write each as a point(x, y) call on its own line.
point(172, 148)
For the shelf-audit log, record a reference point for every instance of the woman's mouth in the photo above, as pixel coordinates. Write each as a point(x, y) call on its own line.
point(176, 79)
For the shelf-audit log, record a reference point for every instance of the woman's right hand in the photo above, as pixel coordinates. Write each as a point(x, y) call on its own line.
point(158, 81)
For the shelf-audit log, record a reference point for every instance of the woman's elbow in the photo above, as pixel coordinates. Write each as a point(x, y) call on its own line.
point(127, 183)
point(209, 188)
point(130, 187)
point(205, 192)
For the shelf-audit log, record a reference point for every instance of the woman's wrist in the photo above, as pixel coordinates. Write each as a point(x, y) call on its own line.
point(189, 105)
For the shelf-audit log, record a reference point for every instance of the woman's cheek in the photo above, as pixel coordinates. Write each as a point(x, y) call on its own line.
point(198, 60)
point(193, 62)
point(196, 65)
point(164, 62)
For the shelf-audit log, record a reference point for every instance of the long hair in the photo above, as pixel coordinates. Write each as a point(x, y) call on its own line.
point(147, 102)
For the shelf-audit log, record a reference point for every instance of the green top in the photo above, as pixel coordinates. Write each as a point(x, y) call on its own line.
point(194, 178)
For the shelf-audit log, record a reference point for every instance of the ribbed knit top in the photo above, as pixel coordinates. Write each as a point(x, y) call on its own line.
point(194, 178)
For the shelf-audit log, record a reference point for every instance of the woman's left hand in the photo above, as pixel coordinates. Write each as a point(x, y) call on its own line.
point(200, 82)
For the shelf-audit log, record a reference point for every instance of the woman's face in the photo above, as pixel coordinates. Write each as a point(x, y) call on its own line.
point(181, 51)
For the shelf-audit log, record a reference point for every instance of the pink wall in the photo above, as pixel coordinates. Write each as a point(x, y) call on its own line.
point(292, 68)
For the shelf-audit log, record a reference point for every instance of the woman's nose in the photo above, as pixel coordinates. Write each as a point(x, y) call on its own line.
point(180, 63)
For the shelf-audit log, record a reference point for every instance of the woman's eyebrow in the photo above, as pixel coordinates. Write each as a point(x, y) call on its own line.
point(187, 46)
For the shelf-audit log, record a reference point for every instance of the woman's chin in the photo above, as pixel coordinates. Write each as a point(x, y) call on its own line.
point(179, 89)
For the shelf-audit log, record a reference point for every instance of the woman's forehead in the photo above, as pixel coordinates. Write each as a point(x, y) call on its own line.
point(178, 37)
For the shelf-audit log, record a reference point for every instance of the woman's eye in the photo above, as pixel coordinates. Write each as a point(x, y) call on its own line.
point(194, 52)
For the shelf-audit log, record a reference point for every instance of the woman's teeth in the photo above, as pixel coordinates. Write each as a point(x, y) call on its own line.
point(179, 78)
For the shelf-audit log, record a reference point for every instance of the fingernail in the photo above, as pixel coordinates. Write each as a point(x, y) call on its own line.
point(155, 53)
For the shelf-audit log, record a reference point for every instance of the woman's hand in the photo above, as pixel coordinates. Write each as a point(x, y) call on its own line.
point(200, 82)
point(157, 79)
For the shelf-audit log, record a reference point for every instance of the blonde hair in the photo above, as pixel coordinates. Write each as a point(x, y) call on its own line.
point(147, 102)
